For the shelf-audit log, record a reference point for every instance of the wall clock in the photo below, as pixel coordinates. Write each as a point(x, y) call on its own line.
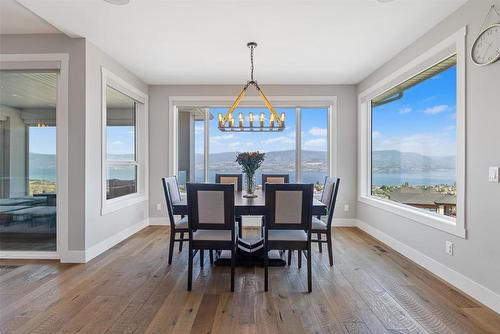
point(486, 47)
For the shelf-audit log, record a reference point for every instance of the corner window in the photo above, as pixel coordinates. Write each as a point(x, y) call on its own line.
point(124, 143)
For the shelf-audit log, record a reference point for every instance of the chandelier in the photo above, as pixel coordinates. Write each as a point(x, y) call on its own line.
point(227, 121)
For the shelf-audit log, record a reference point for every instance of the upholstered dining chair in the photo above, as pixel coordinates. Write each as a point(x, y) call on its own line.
point(173, 196)
point(288, 222)
point(274, 179)
point(319, 227)
point(236, 179)
point(211, 222)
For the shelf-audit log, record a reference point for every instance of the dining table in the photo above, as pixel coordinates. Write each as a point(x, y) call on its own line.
point(250, 250)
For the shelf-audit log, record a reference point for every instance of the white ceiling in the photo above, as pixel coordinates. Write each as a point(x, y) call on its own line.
point(15, 19)
point(204, 41)
point(28, 89)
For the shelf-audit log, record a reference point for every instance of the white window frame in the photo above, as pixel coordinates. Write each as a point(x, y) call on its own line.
point(109, 79)
point(453, 45)
point(296, 102)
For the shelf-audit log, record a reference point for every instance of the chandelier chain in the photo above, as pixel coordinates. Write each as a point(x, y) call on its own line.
point(251, 63)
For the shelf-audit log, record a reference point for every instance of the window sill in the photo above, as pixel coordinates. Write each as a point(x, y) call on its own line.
point(119, 203)
point(445, 224)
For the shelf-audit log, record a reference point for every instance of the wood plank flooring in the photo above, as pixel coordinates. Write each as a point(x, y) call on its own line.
point(131, 289)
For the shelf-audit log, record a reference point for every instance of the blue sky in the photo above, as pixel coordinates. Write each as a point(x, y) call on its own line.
point(42, 140)
point(314, 132)
point(423, 121)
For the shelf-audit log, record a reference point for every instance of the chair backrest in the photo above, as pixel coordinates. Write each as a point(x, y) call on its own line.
point(289, 206)
point(274, 179)
point(236, 179)
point(329, 196)
point(169, 187)
point(210, 206)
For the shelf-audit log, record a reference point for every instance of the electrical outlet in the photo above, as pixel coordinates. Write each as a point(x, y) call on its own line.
point(449, 248)
point(158, 207)
point(346, 207)
point(494, 174)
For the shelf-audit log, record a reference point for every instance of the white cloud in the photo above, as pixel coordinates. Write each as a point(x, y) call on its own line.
point(376, 135)
point(234, 144)
point(318, 132)
point(315, 144)
point(221, 137)
point(279, 140)
point(405, 110)
point(433, 144)
point(449, 128)
point(117, 142)
point(436, 109)
point(198, 129)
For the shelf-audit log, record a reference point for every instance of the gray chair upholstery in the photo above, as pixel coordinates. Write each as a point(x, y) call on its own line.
point(288, 222)
point(211, 222)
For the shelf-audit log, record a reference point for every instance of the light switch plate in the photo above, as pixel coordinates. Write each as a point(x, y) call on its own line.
point(494, 174)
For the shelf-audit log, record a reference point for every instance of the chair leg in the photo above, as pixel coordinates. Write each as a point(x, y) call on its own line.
point(202, 258)
point(190, 268)
point(233, 264)
point(289, 256)
point(180, 242)
point(309, 270)
point(330, 250)
point(320, 246)
point(211, 256)
point(266, 269)
point(171, 247)
point(300, 258)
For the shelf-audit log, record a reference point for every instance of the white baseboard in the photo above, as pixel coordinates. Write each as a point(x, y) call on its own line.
point(160, 221)
point(106, 244)
point(461, 282)
point(339, 222)
point(73, 256)
point(29, 255)
point(345, 222)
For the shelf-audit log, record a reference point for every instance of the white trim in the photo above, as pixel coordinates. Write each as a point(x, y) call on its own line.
point(226, 101)
point(29, 255)
point(456, 279)
point(142, 143)
point(60, 62)
point(344, 222)
point(116, 238)
point(455, 44)
point(73, 256)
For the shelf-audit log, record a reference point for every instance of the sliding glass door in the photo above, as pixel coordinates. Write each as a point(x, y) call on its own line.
point(28, 174)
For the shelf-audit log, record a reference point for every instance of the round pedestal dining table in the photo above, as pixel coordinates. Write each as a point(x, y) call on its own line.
point(250, 250)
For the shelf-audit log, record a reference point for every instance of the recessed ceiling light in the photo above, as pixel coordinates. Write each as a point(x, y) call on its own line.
point(118, 2)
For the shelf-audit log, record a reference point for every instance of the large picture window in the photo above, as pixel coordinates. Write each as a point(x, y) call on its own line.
point(412, 139)
point(302, 150)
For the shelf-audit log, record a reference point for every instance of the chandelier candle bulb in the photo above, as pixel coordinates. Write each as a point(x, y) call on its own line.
point(220, 120)
point(282, 119)
point(240, 118)
point(261, 119)
point(271, 121)
point(250, 119)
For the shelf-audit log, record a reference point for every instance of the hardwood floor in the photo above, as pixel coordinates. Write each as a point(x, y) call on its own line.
point(131, 289)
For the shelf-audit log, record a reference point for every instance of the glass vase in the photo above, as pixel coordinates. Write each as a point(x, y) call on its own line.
point(250, 183)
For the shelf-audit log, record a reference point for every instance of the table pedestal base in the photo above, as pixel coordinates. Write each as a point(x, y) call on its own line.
point(250, 253)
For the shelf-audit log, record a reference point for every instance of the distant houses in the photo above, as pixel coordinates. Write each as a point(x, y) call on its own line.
point(428, 199)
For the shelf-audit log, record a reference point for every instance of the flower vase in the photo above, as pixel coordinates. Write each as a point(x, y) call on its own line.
point(250, 182)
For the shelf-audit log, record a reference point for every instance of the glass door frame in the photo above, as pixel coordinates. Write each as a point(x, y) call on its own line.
point(59, 63)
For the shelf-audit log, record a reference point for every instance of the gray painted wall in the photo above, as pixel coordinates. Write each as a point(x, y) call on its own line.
point(159, 143)
point(478, 256)
point(100, 227)
point(75, 47)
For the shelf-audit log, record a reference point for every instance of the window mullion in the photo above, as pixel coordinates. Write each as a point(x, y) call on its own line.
point(298, 144)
